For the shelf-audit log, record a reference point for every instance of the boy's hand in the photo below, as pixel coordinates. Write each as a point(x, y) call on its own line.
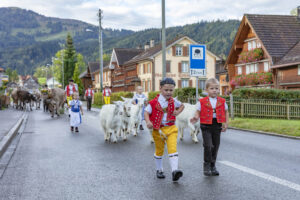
point(224, 127)
point(175, 113)
point(149, 125)
point(194, 120)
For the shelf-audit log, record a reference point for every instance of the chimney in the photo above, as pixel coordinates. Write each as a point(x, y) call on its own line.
point(152, 42)
point(147, 46)
point(298, 12)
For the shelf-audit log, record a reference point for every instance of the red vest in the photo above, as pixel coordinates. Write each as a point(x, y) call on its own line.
point(206, 113)
point(157, 114)
point(68, 89)
point(108, 92)
point(89, 92)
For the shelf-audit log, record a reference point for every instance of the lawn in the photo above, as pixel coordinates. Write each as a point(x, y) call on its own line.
point(96, 106)
point(286, 127)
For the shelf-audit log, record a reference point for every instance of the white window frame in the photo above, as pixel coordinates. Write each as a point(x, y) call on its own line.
point(258, 44)
point(149, 86)
point(178, 50)
point(254, 44)
point(184, 83)
point(255, 68)
point(266, 66)
point(299, 70)
point(239, 70)
point(247, 69)
point(202, 84)
point(148, 67)
point(184, 66)
point(249, 45)
point(251, 68)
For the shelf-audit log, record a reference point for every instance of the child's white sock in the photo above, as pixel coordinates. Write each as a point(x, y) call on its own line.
point(158, 162)
point(173, 158)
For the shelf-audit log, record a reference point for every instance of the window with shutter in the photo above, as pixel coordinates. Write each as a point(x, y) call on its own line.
point(179, 51)
point(184, 66)
point(168, 66)
point(188, 50)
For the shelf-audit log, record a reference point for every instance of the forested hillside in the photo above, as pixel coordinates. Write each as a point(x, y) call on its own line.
point(28, 40)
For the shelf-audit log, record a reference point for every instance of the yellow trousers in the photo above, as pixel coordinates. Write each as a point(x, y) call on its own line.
point(107, 100)
point(69, 99)
point(169, 136)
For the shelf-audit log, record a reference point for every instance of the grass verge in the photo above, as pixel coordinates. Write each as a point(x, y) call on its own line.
point(285, 127)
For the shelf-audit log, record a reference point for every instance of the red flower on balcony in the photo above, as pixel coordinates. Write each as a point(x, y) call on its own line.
point(252, 79)
point(251, 56)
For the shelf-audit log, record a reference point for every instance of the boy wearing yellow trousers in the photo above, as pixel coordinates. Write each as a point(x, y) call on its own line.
point(160, 115)
point(106, 95)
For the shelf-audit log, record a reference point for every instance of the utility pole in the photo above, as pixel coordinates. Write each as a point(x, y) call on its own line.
point(163, 39)
point(100, 49)
point(52, 72)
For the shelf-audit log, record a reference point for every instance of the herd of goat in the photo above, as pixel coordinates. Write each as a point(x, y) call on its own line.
point(118, 120)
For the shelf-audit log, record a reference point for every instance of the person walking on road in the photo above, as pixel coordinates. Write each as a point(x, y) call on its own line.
point(69, 90)
point(89, 93)
point(139, 94)
point(76, 107)
point(160, 115)
point(106, 94)
point(213, 114)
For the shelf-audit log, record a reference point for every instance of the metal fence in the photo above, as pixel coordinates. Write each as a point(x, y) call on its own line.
point(261, 108)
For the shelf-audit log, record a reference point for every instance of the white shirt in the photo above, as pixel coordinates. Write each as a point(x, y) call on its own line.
point(164, 104)
point(71, 88)
point(90, 92)
point(213, 102)
point(107, 91)
point(136, 96)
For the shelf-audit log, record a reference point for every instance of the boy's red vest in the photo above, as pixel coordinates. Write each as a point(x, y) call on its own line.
point(68, 89)
point(157, 113)
point(206, 113)
point(89, 92)
point(108, 92)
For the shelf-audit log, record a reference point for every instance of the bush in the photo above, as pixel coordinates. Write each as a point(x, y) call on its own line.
point(99, 101)
point(152, 95)
point(182, 94)
point(253, 93)
point(252, 79)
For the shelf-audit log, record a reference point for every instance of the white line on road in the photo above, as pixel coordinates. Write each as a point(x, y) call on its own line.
point(263, 175)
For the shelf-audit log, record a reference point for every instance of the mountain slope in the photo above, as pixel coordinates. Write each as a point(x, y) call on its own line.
point(28, 40)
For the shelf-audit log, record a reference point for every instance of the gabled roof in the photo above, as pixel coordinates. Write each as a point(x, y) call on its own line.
point(278, 33)
point(153, 51)
point(124, 54)
point(291, 58)
point(95, 66)
point(83, 74)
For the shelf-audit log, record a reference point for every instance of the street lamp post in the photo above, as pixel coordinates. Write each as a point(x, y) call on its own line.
point(163, 39)
point(62, 65)
point(52, 71)
point(100, 50)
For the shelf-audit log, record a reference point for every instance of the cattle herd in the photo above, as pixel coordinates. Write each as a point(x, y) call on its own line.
point(24, 99)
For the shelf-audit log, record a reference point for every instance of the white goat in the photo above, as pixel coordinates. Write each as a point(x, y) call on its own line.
point(110, 119)
point(183, 121)
point(135, 117)
point(126, 117)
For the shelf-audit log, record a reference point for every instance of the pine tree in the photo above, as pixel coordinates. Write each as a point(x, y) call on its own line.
point(77, 79)
point(69, 59)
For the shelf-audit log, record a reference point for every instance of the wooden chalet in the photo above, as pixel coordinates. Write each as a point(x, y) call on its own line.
point(267, 43)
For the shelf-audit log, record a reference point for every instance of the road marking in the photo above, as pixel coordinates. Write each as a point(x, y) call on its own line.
point(263, 175)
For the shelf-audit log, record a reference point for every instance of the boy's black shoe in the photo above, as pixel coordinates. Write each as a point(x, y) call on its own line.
point(176, 175)
point(72, 128)
point(69, 115)
point(141, 127)
point(206, 169)
point(76, 129)
point(214, 171)
point(160, 174)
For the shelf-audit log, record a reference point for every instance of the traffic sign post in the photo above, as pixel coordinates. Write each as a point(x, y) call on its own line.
point(197, 63)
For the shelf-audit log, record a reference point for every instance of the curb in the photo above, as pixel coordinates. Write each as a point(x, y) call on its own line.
point(5, 142)
point(266, 133)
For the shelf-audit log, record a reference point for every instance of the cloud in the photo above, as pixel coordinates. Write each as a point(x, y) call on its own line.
point(141, 14)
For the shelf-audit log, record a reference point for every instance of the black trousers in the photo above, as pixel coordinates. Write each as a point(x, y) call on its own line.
point(89, 103)
point(211, 134)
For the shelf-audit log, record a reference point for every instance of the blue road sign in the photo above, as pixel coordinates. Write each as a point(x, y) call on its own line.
point(197, 60)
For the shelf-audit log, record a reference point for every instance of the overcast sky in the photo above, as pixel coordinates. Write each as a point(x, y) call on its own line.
point(141, 14)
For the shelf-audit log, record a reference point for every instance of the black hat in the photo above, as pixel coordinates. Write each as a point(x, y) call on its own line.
point(71, 80)
point(90, 86)
point(167, 81)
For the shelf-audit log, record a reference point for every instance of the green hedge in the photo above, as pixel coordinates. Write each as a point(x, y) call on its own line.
point(99, 101)
point(152, 95)
point(254, 93)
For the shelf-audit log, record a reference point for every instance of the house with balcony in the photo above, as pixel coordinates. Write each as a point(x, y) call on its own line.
point(92, 75)
point(123, 78)
point(265, 52)
point(149, 65)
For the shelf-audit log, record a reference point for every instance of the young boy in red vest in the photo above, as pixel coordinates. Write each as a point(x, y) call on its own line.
point(213, 113)
point(160, 115)
point(89, 93)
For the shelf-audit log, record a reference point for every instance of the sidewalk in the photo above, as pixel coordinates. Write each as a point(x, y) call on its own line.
point(8, 118)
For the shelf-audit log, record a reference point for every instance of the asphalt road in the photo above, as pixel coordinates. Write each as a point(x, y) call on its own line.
point(50, 162)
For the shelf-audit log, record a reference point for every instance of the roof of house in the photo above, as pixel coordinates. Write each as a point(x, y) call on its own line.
point(151, 51)
point(83, 74)
point(124, 54)
point(95, 66)
point(278, 33)
point(291, 58)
